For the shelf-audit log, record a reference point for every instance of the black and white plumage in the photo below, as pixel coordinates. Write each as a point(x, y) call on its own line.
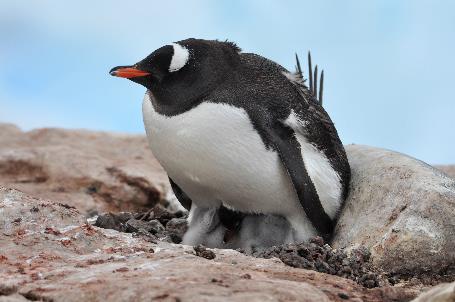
point(237, 131)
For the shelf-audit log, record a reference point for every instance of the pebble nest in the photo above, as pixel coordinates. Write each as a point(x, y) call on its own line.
point(317, 256)
point(159, 224)
point(153, 225)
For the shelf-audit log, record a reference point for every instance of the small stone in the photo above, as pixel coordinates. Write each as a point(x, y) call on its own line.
point(393, 280)
point(303, 251)
point(317, 240)
point(161, 214)
point(343, 296)
point(152, 226)
point(113, 221)
point(202, 251)
point(369, 283)
point(177, 227)
point(91, 189)
point(345, 262)
point(346, 269)
point(175, 238)
point(50, 230)
point(34, 209)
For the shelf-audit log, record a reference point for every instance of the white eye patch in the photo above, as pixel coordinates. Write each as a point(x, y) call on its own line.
point(180, 57)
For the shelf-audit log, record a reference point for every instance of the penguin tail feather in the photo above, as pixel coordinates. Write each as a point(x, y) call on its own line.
point(313, 78)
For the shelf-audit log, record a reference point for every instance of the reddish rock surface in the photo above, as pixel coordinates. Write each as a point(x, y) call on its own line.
point(92, 171)
point(50, 253)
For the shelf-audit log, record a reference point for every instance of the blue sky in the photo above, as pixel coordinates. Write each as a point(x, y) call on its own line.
point(388, 64)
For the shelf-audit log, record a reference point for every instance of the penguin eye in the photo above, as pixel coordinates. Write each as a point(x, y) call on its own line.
point(179, 58)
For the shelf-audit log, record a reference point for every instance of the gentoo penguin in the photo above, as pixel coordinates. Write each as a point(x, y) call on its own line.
point(238, 132)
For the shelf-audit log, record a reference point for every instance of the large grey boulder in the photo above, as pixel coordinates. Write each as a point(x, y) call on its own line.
point(441, 293)
point(401, 208)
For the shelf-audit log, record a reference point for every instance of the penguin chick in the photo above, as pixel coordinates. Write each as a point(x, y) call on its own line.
point(237, 130)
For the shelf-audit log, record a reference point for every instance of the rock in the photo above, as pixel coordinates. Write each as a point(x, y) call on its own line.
point(441, 293)
point(177, 228)
point(151, 226)
point(155, 223)
point(80, 262)
point(202, 251)
point(13, 298)
point(448, 169)
point(403, 210)
point(92, 171)
point(162, 214)
point(114, 221)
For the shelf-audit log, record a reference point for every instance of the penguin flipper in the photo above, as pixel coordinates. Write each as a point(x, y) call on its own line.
point(285, 142)
point(184, 199)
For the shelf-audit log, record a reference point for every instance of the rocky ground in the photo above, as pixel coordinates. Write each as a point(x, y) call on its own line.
point(58, 241)
point(160, 225)
point(50, 253)
point(449, 170)
point(92, 171)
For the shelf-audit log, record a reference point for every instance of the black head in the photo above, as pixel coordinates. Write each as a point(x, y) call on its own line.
point(183, 71)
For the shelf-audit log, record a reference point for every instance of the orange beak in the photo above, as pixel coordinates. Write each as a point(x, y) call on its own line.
point(127, 72)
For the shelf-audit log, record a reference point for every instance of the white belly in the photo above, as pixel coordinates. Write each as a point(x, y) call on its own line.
point(215, 155)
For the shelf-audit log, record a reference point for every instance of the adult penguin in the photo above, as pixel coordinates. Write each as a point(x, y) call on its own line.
point(238, 131)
